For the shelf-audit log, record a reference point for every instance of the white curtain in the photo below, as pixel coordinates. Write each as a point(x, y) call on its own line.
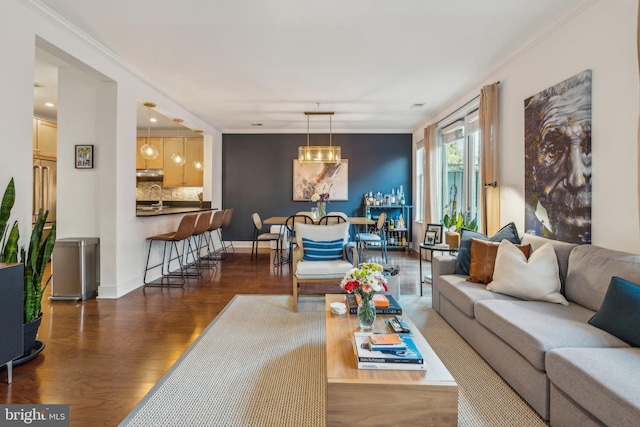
point(490, 168)
point(638, 169)
point(431, 214)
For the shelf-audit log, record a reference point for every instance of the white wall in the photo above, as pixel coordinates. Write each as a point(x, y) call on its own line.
point(600, 37)
point(109, 210)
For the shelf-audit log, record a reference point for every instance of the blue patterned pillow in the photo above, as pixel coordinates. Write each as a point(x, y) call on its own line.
point(619, 313)
point(509, 232)
point(322, 250)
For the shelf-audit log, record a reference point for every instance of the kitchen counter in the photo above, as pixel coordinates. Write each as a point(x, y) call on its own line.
point(144, 208)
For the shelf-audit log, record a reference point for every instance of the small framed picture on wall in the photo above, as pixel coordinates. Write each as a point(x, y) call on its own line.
point(438, 230)
point(84, 156)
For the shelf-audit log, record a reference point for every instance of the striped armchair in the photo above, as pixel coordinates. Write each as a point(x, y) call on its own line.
point(322, 254)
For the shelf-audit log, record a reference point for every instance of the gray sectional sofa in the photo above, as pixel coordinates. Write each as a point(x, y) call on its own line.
point(570, 372)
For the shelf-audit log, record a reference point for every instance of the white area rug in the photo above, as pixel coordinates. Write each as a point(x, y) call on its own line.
point(260, 364)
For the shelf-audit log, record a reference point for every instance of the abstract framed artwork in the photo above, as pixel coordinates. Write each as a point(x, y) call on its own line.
point(84, 157)
point(558, 161)
point(310, 178)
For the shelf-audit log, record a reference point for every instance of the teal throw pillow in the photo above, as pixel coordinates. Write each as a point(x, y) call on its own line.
point(509, 232)
point(619, 313)
point(322, 250)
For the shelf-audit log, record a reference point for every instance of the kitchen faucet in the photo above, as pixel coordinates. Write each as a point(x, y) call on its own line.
point(159, 188)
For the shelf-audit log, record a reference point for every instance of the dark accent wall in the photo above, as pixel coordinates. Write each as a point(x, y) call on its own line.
point(257, 173)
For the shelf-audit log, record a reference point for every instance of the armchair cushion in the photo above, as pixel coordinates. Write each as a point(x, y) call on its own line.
point(322, 269)
point(321, 232)
point(322, 250)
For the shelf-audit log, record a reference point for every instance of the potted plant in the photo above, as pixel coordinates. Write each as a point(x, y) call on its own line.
point(454, 223)
point(35, 260)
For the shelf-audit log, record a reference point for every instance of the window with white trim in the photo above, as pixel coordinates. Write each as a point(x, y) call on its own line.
point(460, 160)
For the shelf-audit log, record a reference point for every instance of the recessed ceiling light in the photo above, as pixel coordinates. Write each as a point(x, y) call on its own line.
point(49, 104)
point(417, 105)
point(153, 119)
point(256, 124)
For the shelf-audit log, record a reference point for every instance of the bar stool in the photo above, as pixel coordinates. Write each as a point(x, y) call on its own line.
point(202, 225)
point(184, 232)
point(226, 220)
point(216, 223)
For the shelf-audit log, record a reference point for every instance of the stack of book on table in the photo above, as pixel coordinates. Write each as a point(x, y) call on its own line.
point(385, 304)
point(386, 351)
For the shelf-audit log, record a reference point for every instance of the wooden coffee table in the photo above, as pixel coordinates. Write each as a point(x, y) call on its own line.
point(384, 397)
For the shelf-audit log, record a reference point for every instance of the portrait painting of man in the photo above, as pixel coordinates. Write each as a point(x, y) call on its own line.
point(558, 161)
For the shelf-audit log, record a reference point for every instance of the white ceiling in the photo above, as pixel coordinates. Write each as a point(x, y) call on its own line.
point(237, 63)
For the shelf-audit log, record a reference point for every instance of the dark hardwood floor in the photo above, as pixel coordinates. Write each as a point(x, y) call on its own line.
point(102, 356)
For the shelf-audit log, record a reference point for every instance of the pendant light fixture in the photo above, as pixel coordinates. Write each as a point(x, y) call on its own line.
point(319, 153)
point(197, 163)
point(178, 158)
point(149, 151)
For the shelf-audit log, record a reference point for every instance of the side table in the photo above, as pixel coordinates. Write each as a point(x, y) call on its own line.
point(431, 248)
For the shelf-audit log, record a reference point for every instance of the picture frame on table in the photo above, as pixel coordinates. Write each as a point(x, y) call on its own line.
point(84, 157)
point(430, 237)
point(438, 228)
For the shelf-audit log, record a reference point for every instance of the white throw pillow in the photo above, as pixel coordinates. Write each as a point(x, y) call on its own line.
point(536, 279)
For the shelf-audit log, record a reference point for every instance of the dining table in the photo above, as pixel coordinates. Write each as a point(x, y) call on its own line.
point(353, 220)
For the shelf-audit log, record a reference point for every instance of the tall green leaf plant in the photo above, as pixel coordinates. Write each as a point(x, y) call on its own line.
point(35, 259)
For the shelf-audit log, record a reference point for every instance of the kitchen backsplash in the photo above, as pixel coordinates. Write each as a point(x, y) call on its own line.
point(186, 194)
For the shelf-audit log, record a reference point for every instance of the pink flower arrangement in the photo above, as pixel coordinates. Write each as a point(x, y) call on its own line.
point(365, 281)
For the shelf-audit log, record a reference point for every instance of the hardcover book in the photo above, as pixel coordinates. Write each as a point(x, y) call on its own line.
point(393, 308)
point(409, 359)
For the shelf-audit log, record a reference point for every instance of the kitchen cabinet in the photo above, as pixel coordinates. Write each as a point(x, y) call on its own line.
point(45, 138)
point(158, 162)
point(186, 175)
point(195, 152)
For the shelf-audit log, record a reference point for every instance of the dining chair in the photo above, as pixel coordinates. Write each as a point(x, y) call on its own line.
point(333, 218)
point(300, 217)
point(184, 232)
point(259, 236)
point(377, 238)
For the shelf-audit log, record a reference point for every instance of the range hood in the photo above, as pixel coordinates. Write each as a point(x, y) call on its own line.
point(150, 174)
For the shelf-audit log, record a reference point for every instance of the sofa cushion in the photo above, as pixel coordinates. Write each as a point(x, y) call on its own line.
point(483, 259)
point(464, 294)
point(534, 327)
point(563, 249)
point(322, 250)
point(600, 380)
point(534, 279)
point(322, 269)
point(619, 313)
point(509, 232)
point(591, 269)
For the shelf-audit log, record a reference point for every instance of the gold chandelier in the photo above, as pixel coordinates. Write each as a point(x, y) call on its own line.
point(319, 153)
point(149, 151)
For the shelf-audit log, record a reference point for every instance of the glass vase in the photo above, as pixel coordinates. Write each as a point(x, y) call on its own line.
point(366, 314)
point(322, 209)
